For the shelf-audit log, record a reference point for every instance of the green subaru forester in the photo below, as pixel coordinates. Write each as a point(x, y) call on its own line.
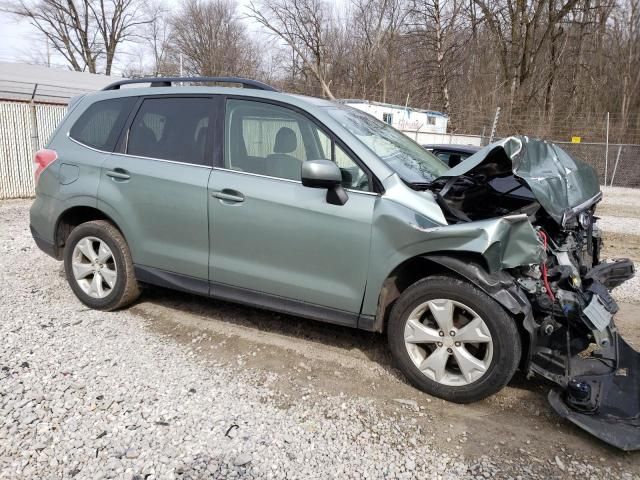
point(312, 208)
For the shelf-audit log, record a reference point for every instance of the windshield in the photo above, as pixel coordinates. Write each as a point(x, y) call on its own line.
point(413, 163)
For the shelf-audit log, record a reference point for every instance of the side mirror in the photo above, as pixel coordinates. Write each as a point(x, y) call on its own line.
point(324, 174)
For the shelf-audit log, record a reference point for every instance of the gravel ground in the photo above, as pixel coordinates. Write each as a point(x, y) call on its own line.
point(628, 291)
point(620, 196)
point(619, 214)
point(86, 394)
point(618, 224)
point(619, 210)
point(94, 395)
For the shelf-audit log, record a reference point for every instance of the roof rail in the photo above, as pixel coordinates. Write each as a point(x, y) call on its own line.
point(167, 81)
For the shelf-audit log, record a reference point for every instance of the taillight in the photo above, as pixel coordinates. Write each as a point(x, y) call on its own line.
point(42, 160)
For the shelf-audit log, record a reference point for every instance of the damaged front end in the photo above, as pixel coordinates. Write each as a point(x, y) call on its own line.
point(575, 344)
point(573, 339)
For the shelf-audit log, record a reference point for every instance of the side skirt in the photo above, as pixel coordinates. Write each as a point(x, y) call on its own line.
point(184, 283)
point(282, 305)
point(175, 281)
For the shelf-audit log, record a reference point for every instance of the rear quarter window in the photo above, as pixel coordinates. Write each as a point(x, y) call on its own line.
point(100, 124)
point(172, 128)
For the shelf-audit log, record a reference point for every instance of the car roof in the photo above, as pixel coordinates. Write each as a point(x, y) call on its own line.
point(452, 147)
point(136, 90)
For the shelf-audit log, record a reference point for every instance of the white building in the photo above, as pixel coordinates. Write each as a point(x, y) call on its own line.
point(403, 118)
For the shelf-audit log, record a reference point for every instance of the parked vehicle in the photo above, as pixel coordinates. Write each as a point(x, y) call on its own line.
point(452, 154)
point(309, 207)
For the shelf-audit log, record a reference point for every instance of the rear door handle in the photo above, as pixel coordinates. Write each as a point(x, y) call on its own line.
point(118, 174)
point(229, 196)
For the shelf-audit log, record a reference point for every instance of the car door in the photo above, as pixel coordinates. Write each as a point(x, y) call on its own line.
point(273, 238)
point(155, 188)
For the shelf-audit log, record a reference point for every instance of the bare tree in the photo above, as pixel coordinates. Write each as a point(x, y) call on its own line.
point(435, 26)
point(374, 30)
point(627, 38)
point(156, 36)
point(519, 31)
point(555, 67)
point(87, 33)
point(304, 25)
point(212, 40)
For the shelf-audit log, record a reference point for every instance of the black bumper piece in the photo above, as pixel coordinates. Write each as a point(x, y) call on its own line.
point(606, 405)
point(47, 247)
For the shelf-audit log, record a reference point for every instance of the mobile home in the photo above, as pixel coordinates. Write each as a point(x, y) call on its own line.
point(403, 118)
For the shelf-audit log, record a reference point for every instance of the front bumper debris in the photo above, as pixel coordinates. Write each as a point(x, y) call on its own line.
point(598, 389)
point(607, 405)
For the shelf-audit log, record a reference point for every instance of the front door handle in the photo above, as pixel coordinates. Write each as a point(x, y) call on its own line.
point(118, 174)
point(229, 196)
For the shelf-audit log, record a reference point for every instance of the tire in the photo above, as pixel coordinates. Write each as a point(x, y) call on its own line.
point(494, 360)
point(103, 282)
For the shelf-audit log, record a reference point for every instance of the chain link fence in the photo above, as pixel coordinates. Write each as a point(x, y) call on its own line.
point(26, 127)
point(617, 164)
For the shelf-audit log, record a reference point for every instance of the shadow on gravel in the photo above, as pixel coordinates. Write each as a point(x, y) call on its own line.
point(514, 416)
point(372, 345)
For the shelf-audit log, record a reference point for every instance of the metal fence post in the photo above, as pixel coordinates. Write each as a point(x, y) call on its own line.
point(495, 125)
point(615, 167)
point(418, 131)
point(606, 153)
point(35, 141)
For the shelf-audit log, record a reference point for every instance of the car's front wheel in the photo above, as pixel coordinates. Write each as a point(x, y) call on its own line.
point(452, 340)
point(98, 266)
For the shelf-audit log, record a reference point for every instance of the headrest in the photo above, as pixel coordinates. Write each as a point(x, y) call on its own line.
point(286, 141)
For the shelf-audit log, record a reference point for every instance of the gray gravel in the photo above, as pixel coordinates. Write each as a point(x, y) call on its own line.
point(621, 207)
point(621, 196)
point(629, 291)
point(86, 394)
point(94, 395)
point(618, 224)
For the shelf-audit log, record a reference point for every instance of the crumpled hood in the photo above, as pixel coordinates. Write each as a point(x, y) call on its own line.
point(561, 184)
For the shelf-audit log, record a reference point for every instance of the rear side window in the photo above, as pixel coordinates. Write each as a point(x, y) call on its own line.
point(172, 129)
point(100, 124)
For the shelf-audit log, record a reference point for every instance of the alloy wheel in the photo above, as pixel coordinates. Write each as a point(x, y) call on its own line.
point(94, 267)
point(448, 342)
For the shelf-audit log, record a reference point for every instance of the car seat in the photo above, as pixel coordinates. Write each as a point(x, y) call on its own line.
point(280, 163)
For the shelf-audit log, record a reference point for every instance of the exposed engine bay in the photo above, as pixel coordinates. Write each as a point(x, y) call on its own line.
point(573, 339)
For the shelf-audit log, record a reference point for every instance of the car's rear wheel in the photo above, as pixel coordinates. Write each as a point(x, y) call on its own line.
point(98, 266)
point(452, 340)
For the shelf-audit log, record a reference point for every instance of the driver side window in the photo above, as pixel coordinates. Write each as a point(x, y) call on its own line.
point(268, 139)
point(353, 177)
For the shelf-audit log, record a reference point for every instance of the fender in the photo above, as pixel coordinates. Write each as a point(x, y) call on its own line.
point(501, 286)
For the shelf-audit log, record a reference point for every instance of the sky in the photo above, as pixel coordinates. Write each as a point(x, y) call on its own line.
point(16, 38)
point(21, 42)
